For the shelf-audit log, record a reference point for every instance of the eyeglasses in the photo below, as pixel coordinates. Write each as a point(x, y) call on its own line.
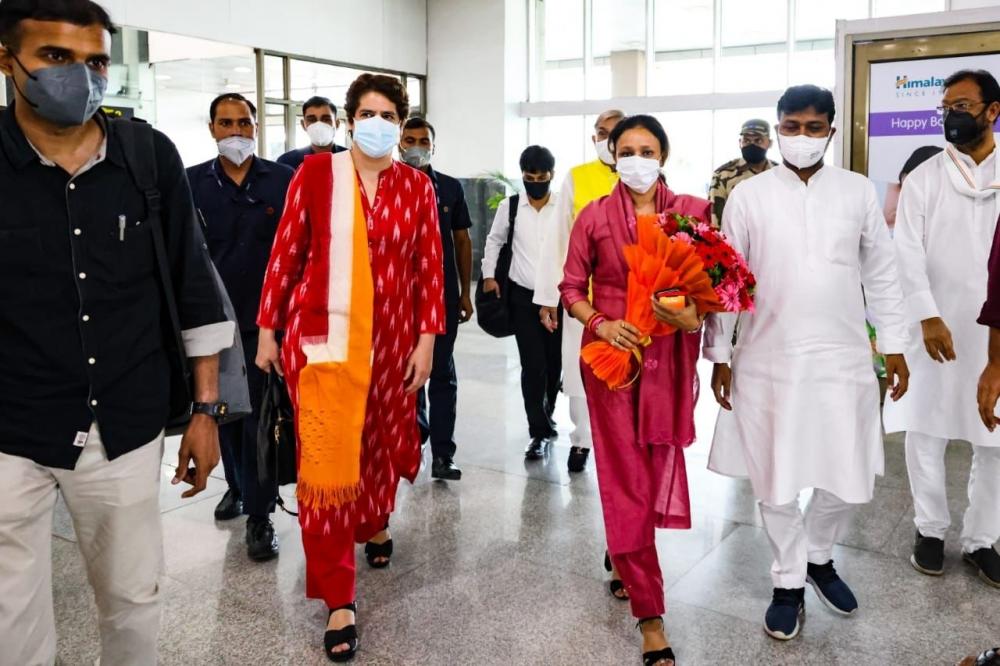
point(957, 107)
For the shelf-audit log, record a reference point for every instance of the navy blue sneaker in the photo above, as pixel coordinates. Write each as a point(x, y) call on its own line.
point(784, 615)
point(831, 590)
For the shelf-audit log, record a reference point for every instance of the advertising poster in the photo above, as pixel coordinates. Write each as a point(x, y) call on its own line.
point(903, 117)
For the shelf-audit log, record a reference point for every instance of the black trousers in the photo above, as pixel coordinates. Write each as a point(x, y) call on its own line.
point(541, 362)
point(441, 392)
point(238, 441)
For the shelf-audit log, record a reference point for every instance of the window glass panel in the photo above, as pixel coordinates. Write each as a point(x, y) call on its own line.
point(599, 79)
point(274, 77)
point(563, 82)
point(816, 66)
point(274, 117)
point(313, 78)
point(727, 132)
point(684, 24)
point(817, 19)
point(901, 7)
point(682, 73)
point(562, 39)
point(689, 166)
point(565, 136)
point(757, 22)
point(753, 68)
point(414, 88)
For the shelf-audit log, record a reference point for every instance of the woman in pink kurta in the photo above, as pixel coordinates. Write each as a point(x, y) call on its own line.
point(639, 432)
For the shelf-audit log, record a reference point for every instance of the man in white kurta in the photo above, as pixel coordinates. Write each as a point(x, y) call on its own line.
point(583, 184)
point(804, 398)
point(945, 224)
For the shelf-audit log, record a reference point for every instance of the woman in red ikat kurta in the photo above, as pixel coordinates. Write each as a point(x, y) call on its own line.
point(404, 250)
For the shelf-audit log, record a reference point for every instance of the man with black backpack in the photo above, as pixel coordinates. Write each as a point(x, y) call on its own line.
point(85, 390)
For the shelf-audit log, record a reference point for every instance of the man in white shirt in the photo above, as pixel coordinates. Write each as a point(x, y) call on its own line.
point(583, 184)
point(945, 224)
point(539, 348)
point(801, 403)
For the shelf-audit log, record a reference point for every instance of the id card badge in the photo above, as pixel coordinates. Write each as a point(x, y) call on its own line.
point(81, 439)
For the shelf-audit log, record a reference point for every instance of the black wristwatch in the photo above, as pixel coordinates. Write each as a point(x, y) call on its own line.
point(217, 410)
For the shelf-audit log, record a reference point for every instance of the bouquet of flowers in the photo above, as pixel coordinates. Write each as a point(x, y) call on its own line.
point(691, 259)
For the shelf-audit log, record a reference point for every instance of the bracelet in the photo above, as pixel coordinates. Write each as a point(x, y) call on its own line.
point(595, 321)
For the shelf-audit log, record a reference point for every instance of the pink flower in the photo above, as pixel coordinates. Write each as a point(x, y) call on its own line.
point(683, 237)
point(729, 294)
point(702, 229)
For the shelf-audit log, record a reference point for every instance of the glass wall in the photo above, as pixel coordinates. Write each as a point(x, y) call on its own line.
point(739, 54)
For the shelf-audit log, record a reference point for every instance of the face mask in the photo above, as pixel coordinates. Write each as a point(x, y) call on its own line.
point(754, 154)
point(65, 95)
point(321, 134)
point(638, 173)
point(962, 129)
point(603, 153)
point(536, 190)
point(802, 151)
point(416, 157)
point(376, 136)
point(237, 149)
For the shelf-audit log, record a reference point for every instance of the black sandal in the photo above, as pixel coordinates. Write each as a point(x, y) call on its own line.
point(656, 656)
point(348, 635)
point(374, 551)
point(615, 586)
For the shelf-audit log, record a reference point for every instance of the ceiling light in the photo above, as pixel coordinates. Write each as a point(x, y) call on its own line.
point(242, 70)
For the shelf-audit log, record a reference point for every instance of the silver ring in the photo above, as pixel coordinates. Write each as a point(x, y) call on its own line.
point(618, 339)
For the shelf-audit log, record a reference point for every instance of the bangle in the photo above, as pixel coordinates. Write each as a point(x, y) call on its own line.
point(595, 321)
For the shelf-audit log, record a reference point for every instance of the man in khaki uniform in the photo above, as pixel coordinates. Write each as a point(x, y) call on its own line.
point(755, 139)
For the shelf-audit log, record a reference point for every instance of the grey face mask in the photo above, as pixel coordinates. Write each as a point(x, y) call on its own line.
point(416, 157)
point(66, 95)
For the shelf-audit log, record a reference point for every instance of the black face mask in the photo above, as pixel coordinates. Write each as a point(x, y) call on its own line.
point(536, 190)
point(754, 154)
point(962, 129)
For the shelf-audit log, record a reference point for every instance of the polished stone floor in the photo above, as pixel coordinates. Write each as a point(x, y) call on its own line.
point(504, 567)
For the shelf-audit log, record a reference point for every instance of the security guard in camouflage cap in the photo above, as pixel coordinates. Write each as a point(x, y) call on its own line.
point(755, 139)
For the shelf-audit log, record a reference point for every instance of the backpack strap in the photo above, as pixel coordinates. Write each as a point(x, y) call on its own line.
point(512, 217)
point(139, 150)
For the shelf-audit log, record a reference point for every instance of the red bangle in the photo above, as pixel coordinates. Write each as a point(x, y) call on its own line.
point(595, 321)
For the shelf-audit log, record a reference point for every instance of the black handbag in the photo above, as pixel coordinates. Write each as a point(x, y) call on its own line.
point(492, 311)
point(276, 453)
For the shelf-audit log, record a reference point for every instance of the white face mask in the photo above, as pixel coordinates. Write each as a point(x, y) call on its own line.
point(237, 149)
point(376, 136)
point(321, 134)
point(603, 153)
point(802, 151)
point(638, 173)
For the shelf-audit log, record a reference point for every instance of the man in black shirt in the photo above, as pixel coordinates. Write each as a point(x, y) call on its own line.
point(84, 391)
point(416, 148)
point(319, 120)
point(240, 197)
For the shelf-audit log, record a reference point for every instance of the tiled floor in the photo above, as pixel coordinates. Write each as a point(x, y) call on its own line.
point(505, 568)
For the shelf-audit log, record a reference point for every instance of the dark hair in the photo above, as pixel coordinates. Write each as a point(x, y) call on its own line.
point(419, 123)
point(988, 86)
point(317, 101)
point(389, 86)
point(230, 97)
point(919, 156)
point(800, 98)
point(537, 159)
point(646, 122)
point(78, 12)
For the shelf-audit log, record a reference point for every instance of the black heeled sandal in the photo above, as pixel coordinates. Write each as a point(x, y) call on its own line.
point(374, 551)
point(656, 656)
point(348, 635)
point(615, 586)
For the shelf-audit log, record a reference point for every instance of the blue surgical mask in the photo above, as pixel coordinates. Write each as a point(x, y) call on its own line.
point(376, 136)
point(65, 95)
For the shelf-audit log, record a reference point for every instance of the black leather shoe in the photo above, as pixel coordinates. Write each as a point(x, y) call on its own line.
point(536, 449)
point(987, 561)
point(230, 506)
point(262, 542)
point(578, 459)
point(445, 469)
point(928, 555)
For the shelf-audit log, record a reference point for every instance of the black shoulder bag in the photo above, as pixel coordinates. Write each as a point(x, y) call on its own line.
point(493, 312)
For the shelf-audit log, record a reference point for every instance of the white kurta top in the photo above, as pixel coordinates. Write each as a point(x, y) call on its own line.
point(805, 397)
point(549, 273)
point(944, 232)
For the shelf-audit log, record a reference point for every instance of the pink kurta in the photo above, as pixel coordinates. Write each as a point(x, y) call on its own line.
point(639, 432)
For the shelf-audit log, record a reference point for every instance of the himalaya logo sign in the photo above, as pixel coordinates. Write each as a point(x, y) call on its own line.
point(907, 87)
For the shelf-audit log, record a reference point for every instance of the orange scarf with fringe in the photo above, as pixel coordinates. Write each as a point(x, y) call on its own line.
point(333, 385)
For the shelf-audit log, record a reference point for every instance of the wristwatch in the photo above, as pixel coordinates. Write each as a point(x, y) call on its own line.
point(217, 410)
